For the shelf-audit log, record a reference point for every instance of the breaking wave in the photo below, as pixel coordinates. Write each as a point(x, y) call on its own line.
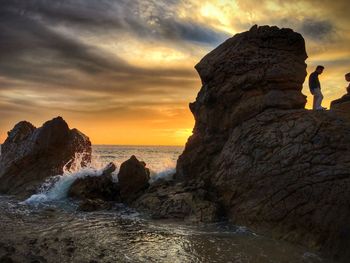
point(56, 188)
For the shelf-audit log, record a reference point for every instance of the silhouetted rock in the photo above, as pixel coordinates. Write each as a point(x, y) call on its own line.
point(101, 187)
point(133, 178)
point(269, 163)
point(253, 71)
point(29, 155)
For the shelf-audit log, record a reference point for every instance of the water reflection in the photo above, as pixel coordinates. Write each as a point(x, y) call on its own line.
point(56, 233)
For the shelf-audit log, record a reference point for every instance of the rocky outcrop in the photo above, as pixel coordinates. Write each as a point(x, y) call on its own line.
point(260, 69)
point(133, 178)
point(269, 163)
point(30, 155)
point(100, 187)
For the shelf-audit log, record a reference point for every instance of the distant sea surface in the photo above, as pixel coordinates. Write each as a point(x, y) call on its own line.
point(158, 158)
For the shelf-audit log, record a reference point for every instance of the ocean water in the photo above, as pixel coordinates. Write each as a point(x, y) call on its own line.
point(161, 160)
point(47, 227)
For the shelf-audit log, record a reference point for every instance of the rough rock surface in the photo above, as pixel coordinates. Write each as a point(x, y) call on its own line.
point(100, 187)
point(167, 199)
point(133, 178)
point(29, 155)
point(288, 173)
point(269, 163)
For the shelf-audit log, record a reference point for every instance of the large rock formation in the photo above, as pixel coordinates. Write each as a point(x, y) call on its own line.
point(249, 73)
point(269, 163)
point(29, 155)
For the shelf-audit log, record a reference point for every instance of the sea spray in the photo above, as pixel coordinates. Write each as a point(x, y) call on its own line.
point(161, 161)
point(57, 187)
point(164, 169)
point(166, 175)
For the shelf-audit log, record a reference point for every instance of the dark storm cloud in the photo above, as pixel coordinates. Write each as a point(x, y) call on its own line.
point(150, 19)
point(309, 27)
point(188, 31)
point(30, 49)
point(317, 30)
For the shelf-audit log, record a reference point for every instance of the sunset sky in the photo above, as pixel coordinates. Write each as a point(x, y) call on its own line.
point(121, 71)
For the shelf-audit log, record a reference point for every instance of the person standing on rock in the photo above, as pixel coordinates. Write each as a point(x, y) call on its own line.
point(347, 78)
point(315, 88)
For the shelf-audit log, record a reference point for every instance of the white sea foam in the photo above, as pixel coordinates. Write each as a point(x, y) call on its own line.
point(167, 174)
point(56, 188)
point(164, 169)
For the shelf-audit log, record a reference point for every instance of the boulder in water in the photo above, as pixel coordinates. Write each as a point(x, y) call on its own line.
point(30, 155)
point(101, 187)
point(133, 178)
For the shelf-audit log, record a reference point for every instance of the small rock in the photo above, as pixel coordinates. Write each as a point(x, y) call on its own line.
point(133, 178)
point(96, 187)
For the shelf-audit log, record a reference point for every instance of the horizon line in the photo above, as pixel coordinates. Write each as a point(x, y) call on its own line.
point(165, 145)
point(103, 144)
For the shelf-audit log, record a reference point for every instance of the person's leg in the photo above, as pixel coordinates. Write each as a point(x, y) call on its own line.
point(320, 101)
point(318, 97)
point(314, 101)
point(317, 102)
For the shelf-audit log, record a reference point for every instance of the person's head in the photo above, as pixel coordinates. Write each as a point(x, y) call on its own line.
point(319, 69)
point(347, 77)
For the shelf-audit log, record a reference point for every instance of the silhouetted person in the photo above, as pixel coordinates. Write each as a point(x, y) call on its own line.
point(315, 88)
point(347, 78)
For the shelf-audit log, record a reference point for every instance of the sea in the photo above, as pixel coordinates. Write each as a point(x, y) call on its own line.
point(48, 227)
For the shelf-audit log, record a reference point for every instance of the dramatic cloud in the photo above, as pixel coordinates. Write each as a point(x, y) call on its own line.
point(118, 65)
